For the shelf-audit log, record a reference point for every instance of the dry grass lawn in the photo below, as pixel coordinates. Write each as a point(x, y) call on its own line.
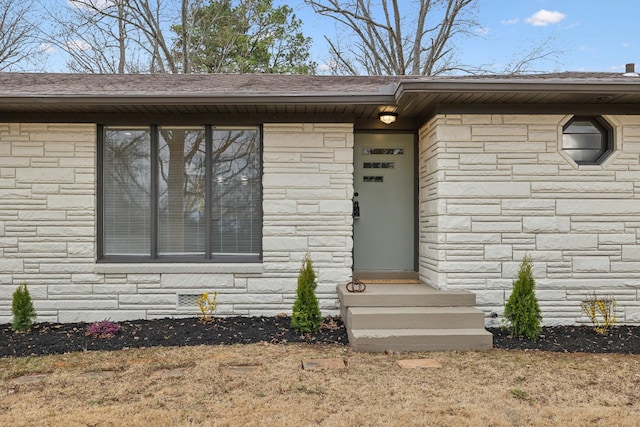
point(262, 385)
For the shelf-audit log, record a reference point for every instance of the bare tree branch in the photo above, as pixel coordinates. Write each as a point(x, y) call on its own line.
point(543, 52)
point(387, 39)
point(17, 33)
point(416, 37)
point(179, 36)
point(116, 35)
point(92, 41)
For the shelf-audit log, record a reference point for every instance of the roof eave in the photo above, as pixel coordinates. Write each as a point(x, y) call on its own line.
point(199, 100)
point(496, 86)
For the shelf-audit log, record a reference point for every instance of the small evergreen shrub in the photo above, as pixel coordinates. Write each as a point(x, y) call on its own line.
point(306, 315)
point(103, 329)
point(522, 310)
point(22, 308)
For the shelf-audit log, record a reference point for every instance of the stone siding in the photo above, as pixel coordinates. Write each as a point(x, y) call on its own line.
point(48, 230)
point(497, 187)
point(493, 188)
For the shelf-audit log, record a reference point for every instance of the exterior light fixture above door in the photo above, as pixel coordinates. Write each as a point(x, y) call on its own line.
point(388, 117)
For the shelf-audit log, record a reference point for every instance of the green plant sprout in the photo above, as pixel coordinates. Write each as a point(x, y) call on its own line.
point(207, 306)
point(601, 312)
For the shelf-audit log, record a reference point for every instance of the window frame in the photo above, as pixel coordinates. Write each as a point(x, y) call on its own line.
point(155, 257)
point(607, 138)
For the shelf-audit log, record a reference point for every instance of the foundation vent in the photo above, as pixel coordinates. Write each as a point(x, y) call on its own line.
point(188, 300)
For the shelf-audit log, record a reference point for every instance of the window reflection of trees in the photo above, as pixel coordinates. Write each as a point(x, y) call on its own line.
point(236, 201)
point(126, 191)
point(181, 190)
point(235, 216)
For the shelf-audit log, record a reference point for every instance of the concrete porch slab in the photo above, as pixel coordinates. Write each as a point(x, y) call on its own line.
point(388, 295)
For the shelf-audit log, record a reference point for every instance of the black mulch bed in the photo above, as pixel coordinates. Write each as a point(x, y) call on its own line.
point(574, 339)
point(49, 338)
point(53, 338)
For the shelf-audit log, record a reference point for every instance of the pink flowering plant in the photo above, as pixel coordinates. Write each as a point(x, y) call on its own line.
point(103, 329)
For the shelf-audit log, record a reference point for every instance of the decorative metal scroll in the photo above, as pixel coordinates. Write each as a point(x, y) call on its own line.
point(356, 285)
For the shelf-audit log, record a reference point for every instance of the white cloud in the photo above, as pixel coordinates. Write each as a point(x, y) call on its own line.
point(46, 48)
point(327, 67)
point(84, 4)
point(78, 45)
point(625, 45)
point(513, 21)
point(543, 17)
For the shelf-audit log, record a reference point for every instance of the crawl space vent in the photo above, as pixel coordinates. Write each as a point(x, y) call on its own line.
point(188, 300)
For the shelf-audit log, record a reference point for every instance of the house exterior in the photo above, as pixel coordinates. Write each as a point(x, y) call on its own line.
point(127, 196)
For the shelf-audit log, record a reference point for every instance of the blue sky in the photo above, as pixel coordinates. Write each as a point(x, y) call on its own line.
point(591, 35)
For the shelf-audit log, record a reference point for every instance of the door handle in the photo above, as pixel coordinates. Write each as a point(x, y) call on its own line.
point(356, 207)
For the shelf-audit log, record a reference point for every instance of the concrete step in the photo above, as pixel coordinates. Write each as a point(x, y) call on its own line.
point(378, 340)
point(405, 295)
point(414, 317)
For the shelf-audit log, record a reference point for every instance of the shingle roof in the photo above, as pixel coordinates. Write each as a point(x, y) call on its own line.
point(149, 85)
point(567, 75)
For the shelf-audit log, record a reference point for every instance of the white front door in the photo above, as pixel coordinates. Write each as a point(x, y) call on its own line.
point(384, 234)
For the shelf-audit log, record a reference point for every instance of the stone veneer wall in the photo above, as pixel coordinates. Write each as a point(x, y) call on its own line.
point(495, 187)
point(47, 229)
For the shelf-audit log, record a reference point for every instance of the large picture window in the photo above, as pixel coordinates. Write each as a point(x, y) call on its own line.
point(180, 194)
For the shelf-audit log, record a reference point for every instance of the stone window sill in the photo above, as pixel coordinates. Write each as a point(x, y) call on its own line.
point(143, 268)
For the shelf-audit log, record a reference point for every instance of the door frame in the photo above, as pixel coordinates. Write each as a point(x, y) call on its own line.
point(416, 196)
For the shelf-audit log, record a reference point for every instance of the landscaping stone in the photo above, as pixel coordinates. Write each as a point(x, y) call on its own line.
point(172, 373)
point(241, 369)
point(30, 379)
point(315, 364)
point(419, 363)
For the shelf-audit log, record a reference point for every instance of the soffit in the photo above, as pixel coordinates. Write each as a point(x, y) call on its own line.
point(545, 93)
point(322, 98)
